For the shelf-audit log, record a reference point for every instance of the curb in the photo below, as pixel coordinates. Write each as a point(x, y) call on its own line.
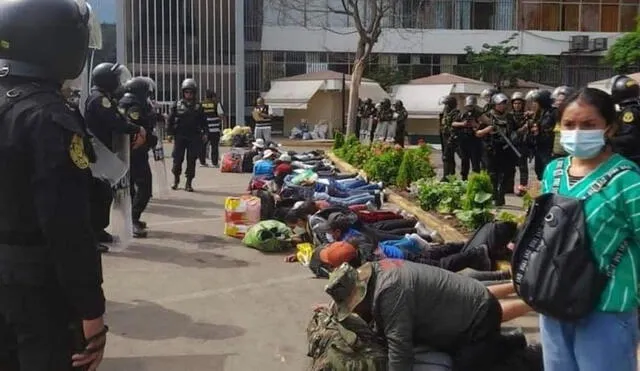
point(447, 232)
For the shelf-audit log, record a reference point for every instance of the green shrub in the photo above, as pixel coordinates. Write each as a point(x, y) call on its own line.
point(338, 140)
point(383, 163)
point(405, 174)
point(479, 191)
point(443, 197)
point(422, 167)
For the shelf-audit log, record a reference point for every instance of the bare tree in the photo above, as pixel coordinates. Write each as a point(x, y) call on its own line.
point(367, 22)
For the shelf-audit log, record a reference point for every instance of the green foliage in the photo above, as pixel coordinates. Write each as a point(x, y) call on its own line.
point(527, 201)
point(479, 191)
point(415, 165)
point(386, 76)
point(500, 64)
point(338, 140)
point(384, 163)
point(443, 197)
point(353, 152)
point(474, 218)
point(506, 216)
point(624, 54)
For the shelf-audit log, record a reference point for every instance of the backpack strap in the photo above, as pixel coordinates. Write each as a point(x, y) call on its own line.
point(595, 188)
point(605, 179)
point(557, 175)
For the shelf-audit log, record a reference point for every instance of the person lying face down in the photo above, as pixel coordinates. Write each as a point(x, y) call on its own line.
point(415, 304)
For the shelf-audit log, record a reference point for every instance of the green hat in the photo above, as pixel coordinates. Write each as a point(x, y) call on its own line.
point(348, 287)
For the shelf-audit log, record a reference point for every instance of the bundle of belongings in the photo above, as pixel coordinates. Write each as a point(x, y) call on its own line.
point(302, 131)
point(239, 136)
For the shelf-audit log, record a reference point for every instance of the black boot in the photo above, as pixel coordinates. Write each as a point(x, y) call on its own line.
point(188, 186)
point(176, 182)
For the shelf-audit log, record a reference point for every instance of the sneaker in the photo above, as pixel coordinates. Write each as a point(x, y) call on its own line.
point(188, 187)
point(204, 165)
point(371, 206)
point(424, 244)
point(140, 224)
point(139, 232)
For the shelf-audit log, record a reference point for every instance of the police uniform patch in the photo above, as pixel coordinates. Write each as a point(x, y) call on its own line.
point(134, 115)
point(627, 118)
point(77, 153)
point(106, 103)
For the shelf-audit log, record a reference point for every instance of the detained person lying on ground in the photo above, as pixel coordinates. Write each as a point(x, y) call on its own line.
point(414, 304)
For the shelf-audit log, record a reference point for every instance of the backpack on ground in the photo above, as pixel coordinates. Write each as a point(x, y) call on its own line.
point(554, 269)
point(231, 162)
point(350, 345)
point(269, 236)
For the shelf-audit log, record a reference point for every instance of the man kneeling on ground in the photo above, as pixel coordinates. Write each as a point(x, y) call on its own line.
point(415, 304)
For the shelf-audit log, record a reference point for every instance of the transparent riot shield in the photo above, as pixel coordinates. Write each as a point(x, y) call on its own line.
point(159, 166)
point(108, 166)
point(121, 223)
point(367, 126)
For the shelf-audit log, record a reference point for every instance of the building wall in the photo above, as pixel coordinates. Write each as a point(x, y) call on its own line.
point(324, 105)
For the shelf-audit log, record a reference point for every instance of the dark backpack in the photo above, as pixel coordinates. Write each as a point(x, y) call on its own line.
point(349, 345)
point(554, 270)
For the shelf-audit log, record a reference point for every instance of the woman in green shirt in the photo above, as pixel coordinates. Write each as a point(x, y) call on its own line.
point(607, 338)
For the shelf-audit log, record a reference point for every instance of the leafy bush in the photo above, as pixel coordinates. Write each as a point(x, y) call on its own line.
point(338, 141)
point(406, 170)
point(474, 218)
point(422, 167)
point(479, 191)
point(506, 216)
point(384, 163)
point(443, 197)
point(353, 152)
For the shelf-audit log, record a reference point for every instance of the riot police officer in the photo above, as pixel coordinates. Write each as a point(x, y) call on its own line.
point(625, 92)
point(447, 137)
point(214, 115)
point(104, 121)
point(501, 158)
point(135, 106)
point(522, 139)
point(188, 125)
point(385, 115)
point(559, 95)
point(486, 96)
point(50, 271)
point(401, 115)
point(543, 128)
point(469, 147)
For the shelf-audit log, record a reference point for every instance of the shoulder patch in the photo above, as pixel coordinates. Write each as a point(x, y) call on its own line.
point(77, 152)
point(106, 103)
point(628, 117)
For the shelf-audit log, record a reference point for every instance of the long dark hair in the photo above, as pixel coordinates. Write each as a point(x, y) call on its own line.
point(596, 98)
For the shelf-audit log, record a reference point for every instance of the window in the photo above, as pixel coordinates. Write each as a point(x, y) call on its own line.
point(570, 17)
point(531, 16)
point(628, 14)
point(550, 17)
point(609, 18)
point(590, 17)
point(483, 13)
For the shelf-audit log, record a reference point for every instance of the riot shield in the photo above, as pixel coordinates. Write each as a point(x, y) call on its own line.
point(159, 167)
point(121, 223)
point(108, 166)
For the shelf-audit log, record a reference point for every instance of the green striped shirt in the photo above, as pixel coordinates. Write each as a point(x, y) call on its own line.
point(612, 215)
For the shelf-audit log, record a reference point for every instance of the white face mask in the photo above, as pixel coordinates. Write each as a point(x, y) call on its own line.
point(329, 237)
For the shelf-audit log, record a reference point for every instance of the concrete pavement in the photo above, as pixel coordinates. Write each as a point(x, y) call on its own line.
point(190, 298)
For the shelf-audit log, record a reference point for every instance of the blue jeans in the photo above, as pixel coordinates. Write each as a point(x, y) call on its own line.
point(347, 201)
point(601, 341)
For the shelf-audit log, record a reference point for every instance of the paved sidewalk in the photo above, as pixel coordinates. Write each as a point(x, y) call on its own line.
point(189, 298)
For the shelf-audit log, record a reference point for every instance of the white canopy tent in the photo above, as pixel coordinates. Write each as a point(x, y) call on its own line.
point(605, 85)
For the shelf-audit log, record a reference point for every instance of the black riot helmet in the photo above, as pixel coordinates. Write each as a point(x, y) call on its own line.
point(449, 101)
point(43, 39)
point(562, 90)
point(110, 76)
point(542, 97)
point(152, 86)
point(624, 89)
point(189, 84)
point(139, 87)
point(398, 104)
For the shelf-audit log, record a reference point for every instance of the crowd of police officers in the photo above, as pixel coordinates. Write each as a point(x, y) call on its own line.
point(509, 133)
point(383, 122)
point(53, 209)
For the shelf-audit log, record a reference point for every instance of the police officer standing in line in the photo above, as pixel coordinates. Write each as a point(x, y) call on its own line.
point(521, 139)
point(447, 137)
point(401, 120)
point(559, 95)
point(214, 115)
point(625, 93)
point(104, 120)
point(135, 106)
point(463, 129)
point(543, 129)
point(188, 125)
point(500, 157)
point(50, 272)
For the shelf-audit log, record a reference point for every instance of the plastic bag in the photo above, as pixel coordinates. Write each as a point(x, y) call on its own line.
point(240, 213)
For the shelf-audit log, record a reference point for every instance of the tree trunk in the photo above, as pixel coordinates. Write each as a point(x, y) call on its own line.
point(354, 89)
